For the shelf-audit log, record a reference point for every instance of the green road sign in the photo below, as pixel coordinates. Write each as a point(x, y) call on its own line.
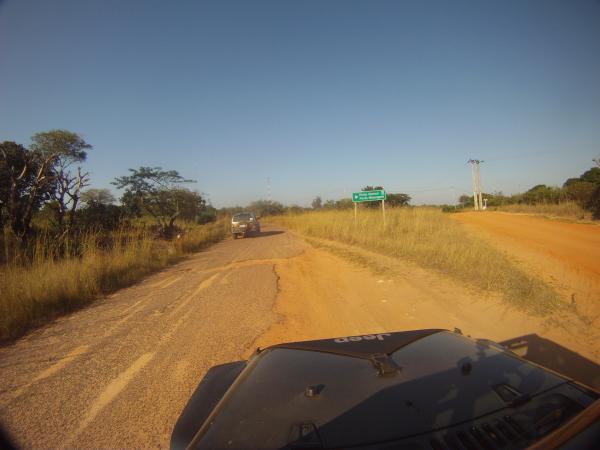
point(369, 196)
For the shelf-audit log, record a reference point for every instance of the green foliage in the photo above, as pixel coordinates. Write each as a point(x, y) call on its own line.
point(150, 179)
point(295, 209)
point(594, 203)
point(98, 196)
point(581, 191)
point(452, 208)
point(132, 204)
point(157, 192)
point(543, 194)
point(190, 204)
point(398, 199)
point(230, 211)
point(60, 143)
point(266, 208)
point(26, 182)
point(207, 215)
point(63, 149)
point(344, 203)
point(591, 176)
point(99, 216)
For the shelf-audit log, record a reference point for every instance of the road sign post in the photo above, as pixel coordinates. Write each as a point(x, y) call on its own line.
point(370, 196)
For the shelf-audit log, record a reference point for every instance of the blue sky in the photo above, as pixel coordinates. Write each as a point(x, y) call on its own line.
point(322, 97)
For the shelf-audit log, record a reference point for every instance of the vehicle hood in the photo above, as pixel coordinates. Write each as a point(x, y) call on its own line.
point(366, 389)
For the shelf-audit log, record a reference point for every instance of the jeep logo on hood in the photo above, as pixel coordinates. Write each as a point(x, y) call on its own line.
point(367, 337)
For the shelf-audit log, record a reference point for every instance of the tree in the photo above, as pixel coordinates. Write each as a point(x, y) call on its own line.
point(156, 192)
point(64, 149)
point(591, 176)
point(345, 203)
point(317, 203)
point(266, 207)
point(97, 197)
point(594, 203)
point(543, 194)
point(208, 214)
point(581, 192)
point(132, 204)
point(26, 181)
point(465, 201)
point(398, 199)
point(99, 216)
point(295, 209)
point(191, 204)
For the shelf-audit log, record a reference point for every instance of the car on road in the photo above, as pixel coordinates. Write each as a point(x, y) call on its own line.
point(244, 223)
point(422, 389)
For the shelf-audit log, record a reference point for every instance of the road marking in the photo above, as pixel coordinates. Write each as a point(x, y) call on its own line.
point(133, 308)
point(121, 382)
point(161, 282)
point(170, 282)
point(203, 285)
point(110, 392)
point(247, 263)
point(54, 368)
point(225, 279)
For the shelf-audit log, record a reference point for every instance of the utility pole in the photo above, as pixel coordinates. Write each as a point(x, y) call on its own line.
point(269, 189)
point(476, 178)
point(479, 186)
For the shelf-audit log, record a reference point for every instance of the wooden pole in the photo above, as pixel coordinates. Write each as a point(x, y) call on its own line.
point(355, 208)
point(383, 210)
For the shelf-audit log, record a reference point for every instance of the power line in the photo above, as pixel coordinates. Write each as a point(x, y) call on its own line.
point(525, 155)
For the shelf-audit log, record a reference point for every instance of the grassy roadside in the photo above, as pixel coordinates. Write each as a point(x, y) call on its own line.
point(429, 238)
point(565, 210)
point(34, 294)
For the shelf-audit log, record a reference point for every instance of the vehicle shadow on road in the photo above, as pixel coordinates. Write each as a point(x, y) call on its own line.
point(554, 356)
point(266, 233)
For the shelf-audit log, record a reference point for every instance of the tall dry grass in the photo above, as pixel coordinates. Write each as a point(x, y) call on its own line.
point(431, 239)
point(55, 280)
point(568, 210)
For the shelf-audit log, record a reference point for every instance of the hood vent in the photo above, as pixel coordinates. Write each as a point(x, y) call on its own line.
point(487, 436)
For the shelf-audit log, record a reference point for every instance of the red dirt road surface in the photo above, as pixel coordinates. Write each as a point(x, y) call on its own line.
point(565, 254)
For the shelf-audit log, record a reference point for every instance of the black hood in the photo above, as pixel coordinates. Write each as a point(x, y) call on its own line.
point(368, 390)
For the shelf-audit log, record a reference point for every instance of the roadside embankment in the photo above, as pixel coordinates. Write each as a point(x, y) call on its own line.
point(431, 239)
point(32, 294)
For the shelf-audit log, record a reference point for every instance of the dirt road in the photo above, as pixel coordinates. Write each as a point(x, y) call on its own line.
point(118, 373)
point(567, 255)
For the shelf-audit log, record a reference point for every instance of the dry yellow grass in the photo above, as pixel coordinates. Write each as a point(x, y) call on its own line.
point(567, 210)
point(429, 238)
point(34, 293)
